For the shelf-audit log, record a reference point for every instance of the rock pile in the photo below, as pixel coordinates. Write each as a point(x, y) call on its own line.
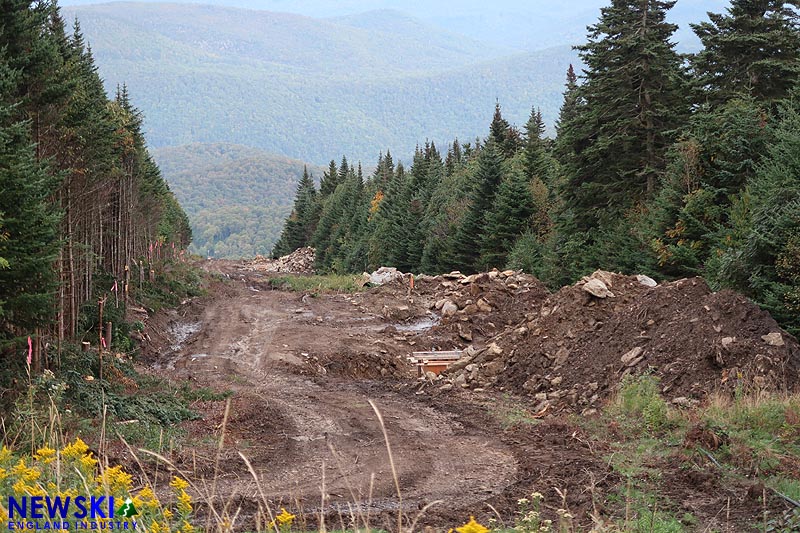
point(301, 261)
point(577, 345)
point(468, 309)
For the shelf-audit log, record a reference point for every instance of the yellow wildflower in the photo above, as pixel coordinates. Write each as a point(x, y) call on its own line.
point(178, 484)
point(45, 455)
point(87, 463)
point(472, 527)
point(19, 468)
point(285, 518)
point(148, 498)
point(71, 493)
point(5, 454)
point(168, 514)
point(21, 488)
point(184, 503)
point(115, 479)
point(31, 474)
point(3, 514)
point(76, 450)
point(187, 527)
point(3, 474)
point(155, 528)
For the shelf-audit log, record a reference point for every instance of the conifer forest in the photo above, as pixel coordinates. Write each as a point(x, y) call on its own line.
point(663, 164)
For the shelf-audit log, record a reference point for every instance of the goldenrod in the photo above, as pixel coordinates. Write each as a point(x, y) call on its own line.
point(472, 527)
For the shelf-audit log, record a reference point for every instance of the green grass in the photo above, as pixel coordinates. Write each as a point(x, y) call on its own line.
point(640, 406)
point(318, 283)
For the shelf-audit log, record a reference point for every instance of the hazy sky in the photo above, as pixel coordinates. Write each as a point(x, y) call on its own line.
point(514, 24)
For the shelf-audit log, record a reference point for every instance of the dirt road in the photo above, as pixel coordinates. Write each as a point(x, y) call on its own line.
point(303, 367)
point(301, 427)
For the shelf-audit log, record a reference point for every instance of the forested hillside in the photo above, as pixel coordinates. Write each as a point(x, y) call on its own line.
point(518, 24)
point(83, 206)
point(236, 197)
point(663, 165)
point(206, 74)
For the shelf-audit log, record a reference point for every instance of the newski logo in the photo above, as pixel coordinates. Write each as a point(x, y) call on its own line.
point(64, 513)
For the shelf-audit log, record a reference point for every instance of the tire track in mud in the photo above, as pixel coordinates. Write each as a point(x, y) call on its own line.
point(292, 424)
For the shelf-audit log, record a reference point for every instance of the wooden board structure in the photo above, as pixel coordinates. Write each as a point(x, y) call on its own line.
point(435, 362)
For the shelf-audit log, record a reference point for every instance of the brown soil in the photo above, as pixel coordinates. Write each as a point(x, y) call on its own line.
point(303, 369)
point(569, 355)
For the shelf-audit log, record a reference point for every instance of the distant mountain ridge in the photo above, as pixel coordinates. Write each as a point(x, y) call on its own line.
point(310, 89)
point(511, 24)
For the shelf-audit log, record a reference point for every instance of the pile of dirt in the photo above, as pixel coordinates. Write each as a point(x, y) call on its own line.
point(581, 341)
point(453, 311)
point(301, 261)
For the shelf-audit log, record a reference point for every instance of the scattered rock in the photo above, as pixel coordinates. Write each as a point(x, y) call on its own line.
point(646, 280)
point(449, 309)
point(484, 306)
point(597, 288)
point(632, 357)
point(773, 339)
point(385, 275)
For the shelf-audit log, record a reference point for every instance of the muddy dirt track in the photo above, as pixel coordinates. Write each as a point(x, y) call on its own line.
point(292, 421)
point(309, 430)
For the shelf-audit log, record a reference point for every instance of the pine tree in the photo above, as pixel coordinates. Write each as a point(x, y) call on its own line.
point(538, 163)
point(329, 181)
point(709, 167)
point(629, 104)
point(567, 118)
point(753, 50)
point(764, 259)
point(298, 227)
point(29, 245)
point(464, 247)
point(508, 218)
point(505, 136)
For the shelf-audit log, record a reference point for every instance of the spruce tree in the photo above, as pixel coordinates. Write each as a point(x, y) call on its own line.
point(508, 218)
point(329, 181)
point(764, 258)
point(505, 136)
point(29, 245)
point(465, 245)
point(630, 102)
point(752, 50)
point(716, 158)
point(567, 118)
point(298, 227)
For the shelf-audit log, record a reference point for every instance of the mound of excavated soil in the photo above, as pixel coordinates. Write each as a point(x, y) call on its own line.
point(301, 261)
point(577, 347)
point(462, 310)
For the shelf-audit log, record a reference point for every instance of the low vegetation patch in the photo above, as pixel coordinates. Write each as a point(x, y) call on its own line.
point(318, 284)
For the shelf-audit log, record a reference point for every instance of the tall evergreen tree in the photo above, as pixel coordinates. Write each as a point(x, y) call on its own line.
point(764, 258)
point(752, 50)
point(567, 118)
point(329, 181)
point(508, 218)
point(465, 245)
point(709, 167)
point(630, 102)
point(29, 245)
point(298, 228)
point(505, 136)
